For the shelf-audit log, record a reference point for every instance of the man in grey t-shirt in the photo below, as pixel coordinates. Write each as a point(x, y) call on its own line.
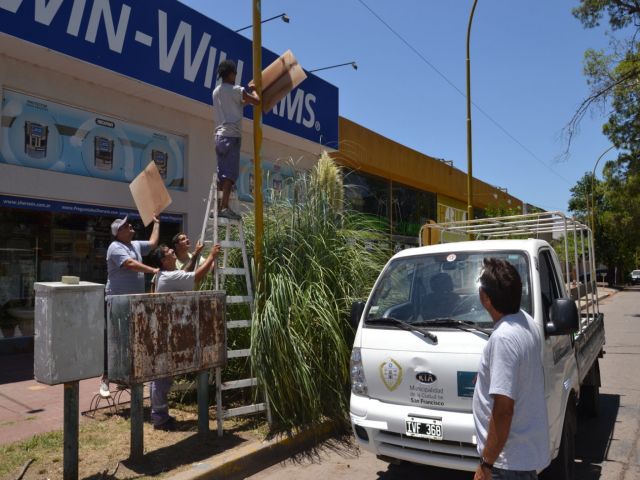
point(509, 407)
point(170, 279)
point(125, 270)
point(229, 100)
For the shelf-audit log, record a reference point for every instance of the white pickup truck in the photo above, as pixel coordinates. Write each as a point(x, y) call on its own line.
point(421, 332)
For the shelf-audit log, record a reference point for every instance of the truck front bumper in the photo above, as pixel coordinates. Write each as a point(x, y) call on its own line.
point(380, 428)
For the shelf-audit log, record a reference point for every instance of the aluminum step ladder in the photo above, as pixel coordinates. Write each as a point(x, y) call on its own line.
point(209, 236)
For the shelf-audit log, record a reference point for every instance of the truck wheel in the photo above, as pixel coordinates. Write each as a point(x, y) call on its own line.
point(590, 394)
point(563, 466)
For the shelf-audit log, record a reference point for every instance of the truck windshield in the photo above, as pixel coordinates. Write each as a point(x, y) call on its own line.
point(431, 288)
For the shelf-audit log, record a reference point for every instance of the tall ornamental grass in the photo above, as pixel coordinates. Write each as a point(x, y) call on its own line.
point(318, 259)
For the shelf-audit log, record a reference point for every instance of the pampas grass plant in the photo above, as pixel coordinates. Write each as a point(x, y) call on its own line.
point(318, 259)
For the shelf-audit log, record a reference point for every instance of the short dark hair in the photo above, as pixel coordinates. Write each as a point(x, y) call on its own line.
point(226, 67)
point(174, 239)
point(156, 256)
point(501, 282)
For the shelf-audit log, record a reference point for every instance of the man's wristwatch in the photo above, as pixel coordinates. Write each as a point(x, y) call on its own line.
point(485, 464)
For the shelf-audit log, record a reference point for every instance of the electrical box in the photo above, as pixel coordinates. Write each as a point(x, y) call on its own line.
point(69, 332)
point(158, 335)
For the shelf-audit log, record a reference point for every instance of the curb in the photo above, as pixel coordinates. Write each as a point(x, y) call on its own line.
point(247, 460)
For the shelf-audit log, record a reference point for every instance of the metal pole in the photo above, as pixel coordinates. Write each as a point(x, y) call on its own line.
point(137, 427)
point(469, 149)
point(257, 151)
point(203, 404)
point(70, 435)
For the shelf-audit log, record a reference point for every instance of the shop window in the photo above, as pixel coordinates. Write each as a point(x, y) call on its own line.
point(412, 208)
point(42, 247)
point(367, 193)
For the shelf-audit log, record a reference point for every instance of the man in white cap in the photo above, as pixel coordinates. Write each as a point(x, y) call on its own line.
point(125, 269)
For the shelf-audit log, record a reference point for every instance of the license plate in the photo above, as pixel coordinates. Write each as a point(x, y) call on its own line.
point(424, 428)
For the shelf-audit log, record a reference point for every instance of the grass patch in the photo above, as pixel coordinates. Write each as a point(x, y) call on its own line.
point(14, 455)
point(104, 442)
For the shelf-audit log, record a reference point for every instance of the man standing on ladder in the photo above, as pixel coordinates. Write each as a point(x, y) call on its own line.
point(228, 102)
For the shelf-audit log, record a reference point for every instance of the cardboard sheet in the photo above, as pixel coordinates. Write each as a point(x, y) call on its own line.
point(279, 78)
point(149, 193)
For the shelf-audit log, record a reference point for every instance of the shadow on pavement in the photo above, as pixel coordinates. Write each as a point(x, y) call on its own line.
point(594, 437)
point(592, 445)
point(408, 470)
point(187, 451)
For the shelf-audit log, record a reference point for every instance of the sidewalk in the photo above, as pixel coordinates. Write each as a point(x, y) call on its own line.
point(28, 408)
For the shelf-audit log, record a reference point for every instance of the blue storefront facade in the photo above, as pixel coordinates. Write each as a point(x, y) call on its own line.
point(94, 90)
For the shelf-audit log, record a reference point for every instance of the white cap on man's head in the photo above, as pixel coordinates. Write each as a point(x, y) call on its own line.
point(115, 226)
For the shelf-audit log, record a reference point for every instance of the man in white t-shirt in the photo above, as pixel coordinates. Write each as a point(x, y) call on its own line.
point(509, 407)
point(229, 100)
point(170, 279)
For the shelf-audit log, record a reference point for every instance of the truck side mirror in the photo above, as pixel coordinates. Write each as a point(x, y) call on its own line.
point(356, 312)
point(563, 317)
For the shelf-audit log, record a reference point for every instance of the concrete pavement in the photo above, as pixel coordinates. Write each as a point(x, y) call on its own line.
point(28, 408)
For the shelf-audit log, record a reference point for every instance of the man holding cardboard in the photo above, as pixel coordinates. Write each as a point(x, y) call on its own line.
point(228, 102)
point(125, 270)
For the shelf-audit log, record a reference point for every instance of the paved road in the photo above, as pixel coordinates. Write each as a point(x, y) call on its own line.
point(607, 447)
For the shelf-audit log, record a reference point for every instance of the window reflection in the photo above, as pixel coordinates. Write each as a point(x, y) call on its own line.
point(40, 246)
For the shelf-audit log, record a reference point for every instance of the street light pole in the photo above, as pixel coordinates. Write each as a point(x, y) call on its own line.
point(593, 204)
point(469, 149)
point(257, 151)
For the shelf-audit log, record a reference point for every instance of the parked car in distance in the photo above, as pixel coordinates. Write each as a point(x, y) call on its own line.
point(635, 277)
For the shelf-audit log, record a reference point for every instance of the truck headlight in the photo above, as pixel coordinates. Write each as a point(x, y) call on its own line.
point(358, 380)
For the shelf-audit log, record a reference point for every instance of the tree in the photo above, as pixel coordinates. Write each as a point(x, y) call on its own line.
point(501, 210)
point(614, 79)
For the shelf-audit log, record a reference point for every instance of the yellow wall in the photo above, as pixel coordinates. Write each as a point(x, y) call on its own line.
point(369, 152)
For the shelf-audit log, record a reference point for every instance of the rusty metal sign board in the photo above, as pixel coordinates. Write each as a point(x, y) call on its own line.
point(158, 335)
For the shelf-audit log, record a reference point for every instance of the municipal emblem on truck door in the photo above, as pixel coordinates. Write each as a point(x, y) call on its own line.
point(391, 374)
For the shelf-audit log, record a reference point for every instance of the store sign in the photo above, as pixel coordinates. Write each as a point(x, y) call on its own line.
point(168, 45)
point(41, 134)
point(43, 205)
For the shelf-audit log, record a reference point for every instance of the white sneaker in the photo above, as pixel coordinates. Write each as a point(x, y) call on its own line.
point(104, 388)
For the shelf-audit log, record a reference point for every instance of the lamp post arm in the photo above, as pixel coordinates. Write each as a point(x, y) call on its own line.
point(332, 66)
point(263, 21)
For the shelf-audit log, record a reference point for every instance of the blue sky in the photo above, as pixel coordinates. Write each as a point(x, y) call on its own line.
point(526, 61)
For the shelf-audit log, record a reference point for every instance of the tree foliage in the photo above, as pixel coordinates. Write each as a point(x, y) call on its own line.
point(614, 80)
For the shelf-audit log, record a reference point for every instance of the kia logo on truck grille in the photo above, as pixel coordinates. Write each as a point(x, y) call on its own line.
point(426, 377)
